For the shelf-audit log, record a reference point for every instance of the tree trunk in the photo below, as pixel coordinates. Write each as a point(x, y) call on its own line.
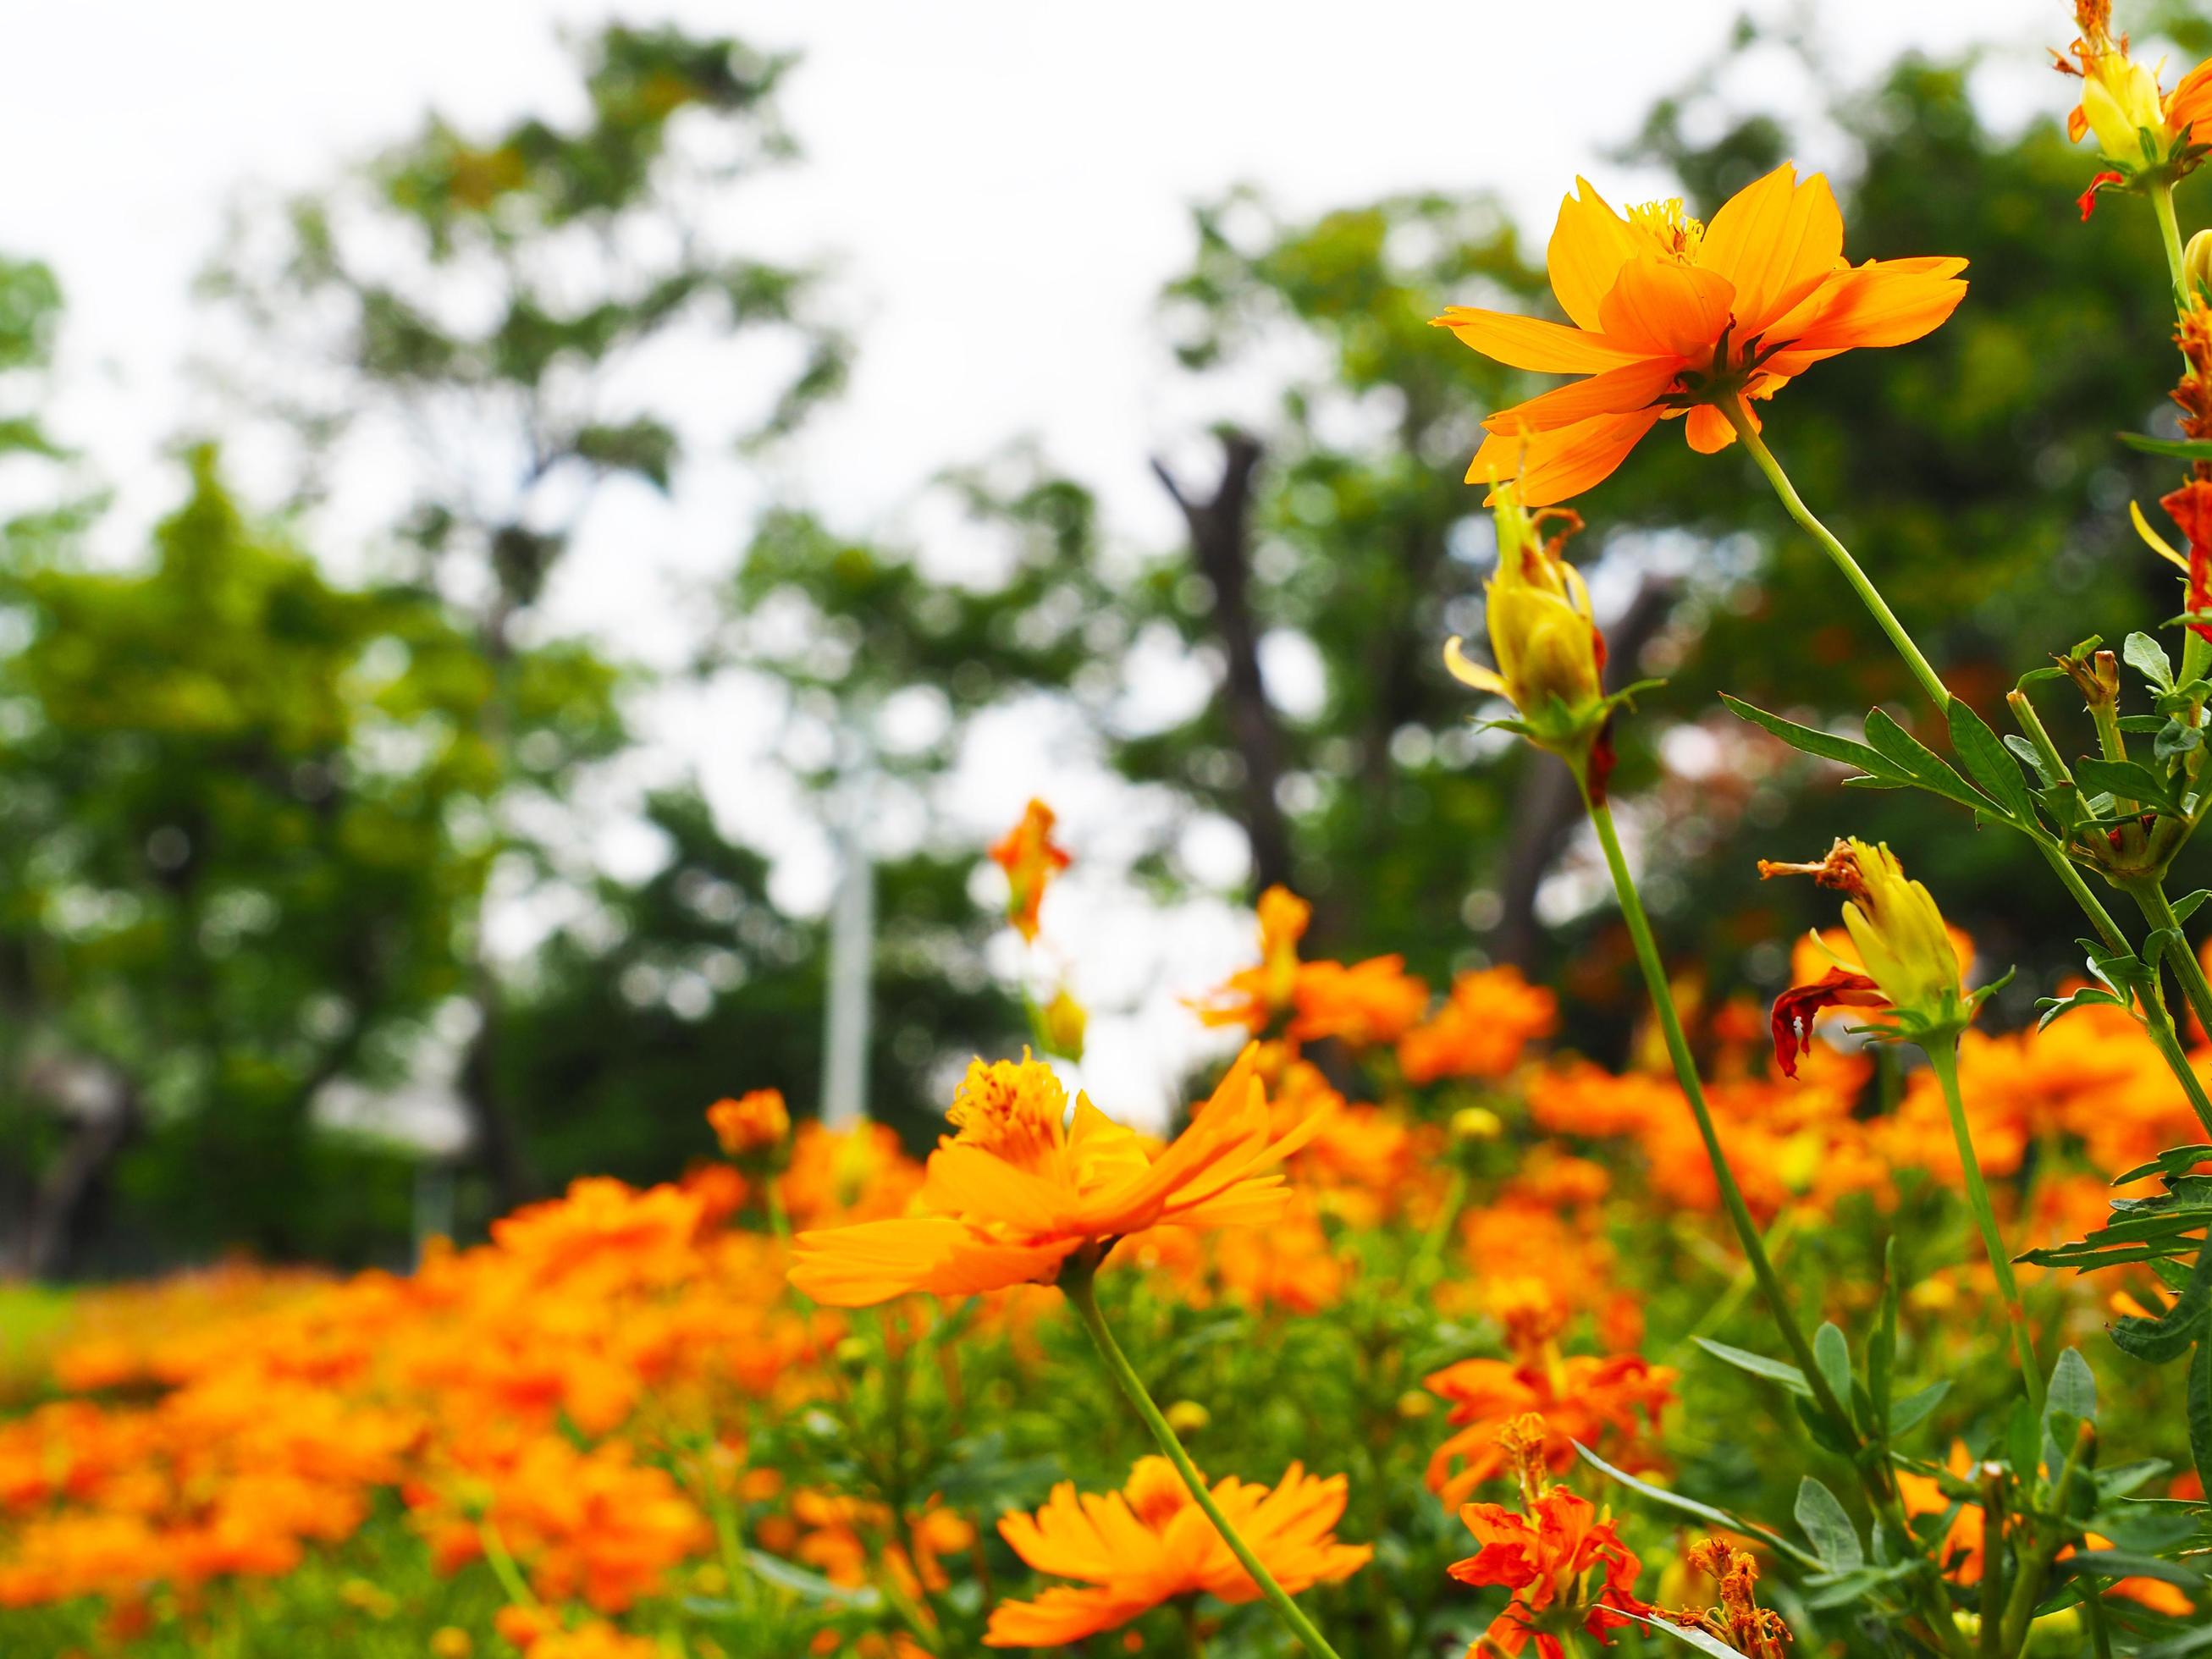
point(1220, 543)
point(65, 1197)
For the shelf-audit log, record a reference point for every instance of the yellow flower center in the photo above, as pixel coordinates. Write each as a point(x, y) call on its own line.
point(1156, 1493)
point(1668, 228)
point(1015, 1110)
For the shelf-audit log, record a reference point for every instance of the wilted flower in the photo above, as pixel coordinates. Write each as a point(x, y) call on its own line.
point(1911, 963)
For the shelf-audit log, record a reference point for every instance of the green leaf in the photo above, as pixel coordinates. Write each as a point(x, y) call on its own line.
point(1687, 1637)
point(2175, 739)
point(2147, 658)
point(1774, 1371)
point(2128, 1563)
point(1832, 1354)
point(1907, 756)
point(2032, 758)
point(1825, 1521)
point(1987, 762)
point(809, 1586)
point(2155, 1341)
point(2174, 1160)
point(1916, 1408)
point(2185, 905)
point(2087, 996)
point(2180, 449)
point(2128, 780)
point(2072, 1387)
point(1881, 1346)
point(1812, 741)
point(1674, 1500)
point(2199, 1409)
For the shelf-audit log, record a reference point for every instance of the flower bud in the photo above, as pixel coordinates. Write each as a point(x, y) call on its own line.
point(752, 1124)
point(2196, 263)
point(1473, 1123)
point(1187, 1417)
point(1063, 1021)
point(1550, 656)
point(2121, 102)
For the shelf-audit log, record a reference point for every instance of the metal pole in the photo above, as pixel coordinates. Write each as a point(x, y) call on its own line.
point(852, 953)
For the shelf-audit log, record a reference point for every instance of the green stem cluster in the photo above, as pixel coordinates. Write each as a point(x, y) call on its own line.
point(1880, 1488)
point(1077, 1279)
point(1943, 1060)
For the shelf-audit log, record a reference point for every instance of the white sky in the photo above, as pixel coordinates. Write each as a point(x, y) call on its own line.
point(1002, 184)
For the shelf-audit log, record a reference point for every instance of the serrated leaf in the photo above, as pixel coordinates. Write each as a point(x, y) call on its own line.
point(2147, 658)
point(1675, 1500)
point(1987, 762)
point(2155, 1341)
point(1916, 1408)
point(1812, 741)
point(1774, 1371)
point(2174, 1160)
point(1827, 1522)
point(1907, 755)
point(2197, 1408)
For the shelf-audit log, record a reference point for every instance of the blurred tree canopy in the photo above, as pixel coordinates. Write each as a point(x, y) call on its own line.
point(258, 816)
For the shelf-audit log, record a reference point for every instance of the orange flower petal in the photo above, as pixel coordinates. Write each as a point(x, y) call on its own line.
point(1531, 342)
point(1616, 392)
point(1775, 239)
point(1665, 309)
point(1551, 466)
point(1589, 244)
point(1709, 431)
point(2190, 103)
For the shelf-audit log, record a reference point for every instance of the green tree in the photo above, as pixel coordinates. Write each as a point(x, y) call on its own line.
point(235, 847)
point(585, 251)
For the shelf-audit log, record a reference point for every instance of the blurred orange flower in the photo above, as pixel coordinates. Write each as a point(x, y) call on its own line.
point(1149, 1543)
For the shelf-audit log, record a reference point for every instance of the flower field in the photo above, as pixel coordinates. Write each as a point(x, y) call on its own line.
point(1854, 1322)
point(614, 1429)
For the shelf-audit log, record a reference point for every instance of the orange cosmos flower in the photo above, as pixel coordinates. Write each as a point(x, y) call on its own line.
point(1031, 859)
point(1671, 317)
point(1020, 1187)
point(1492, 1014)
point(1149, 1543)
point(753, 1122)
point(1567, 1571)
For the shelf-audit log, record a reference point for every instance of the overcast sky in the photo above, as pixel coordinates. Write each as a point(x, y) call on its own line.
point(1002, 186)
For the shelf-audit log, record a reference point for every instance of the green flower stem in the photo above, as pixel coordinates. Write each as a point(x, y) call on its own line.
point(1686, 1073)
point(2169, 230)
point(1943, 1060)
point(1942, 1631)
point(2150, 898)
point(511, 1580)
point(1762, 458)
point(1077, 1281)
